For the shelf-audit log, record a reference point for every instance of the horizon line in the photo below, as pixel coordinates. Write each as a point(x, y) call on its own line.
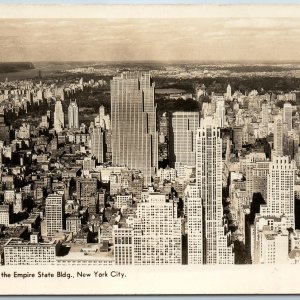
point(263, 61)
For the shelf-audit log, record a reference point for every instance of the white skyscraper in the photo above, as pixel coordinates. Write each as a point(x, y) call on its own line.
point(265, 118)
point(153, 237)
point(161, 231)
point(228, 92)
point(209, 181)
point(59, 119)
point(278, 135)
point(220, 113)
point(73, 115)
point(287, 115)
point(280, 195)
point(54, 214)
point(183, 137)
point(133, 123)
point(270, 240)
point(97, 143)
point(103, 119)
point(194, 224)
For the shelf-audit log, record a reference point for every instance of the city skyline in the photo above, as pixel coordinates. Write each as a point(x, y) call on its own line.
point(153, 144)
point(140, 183)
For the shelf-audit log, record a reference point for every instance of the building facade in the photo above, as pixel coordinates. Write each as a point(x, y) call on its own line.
point(73, 118)
point(216, 249)
point(153, 237)
point(59, 119)
point(183, 131)
point(54, 214)
point(133, 123)
point(194, 227)
point(20, 252)
point(288, 115)
point(281, 194)
point(278, 135)
point(97, 144)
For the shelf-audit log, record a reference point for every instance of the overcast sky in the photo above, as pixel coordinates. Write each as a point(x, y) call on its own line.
point(150, 39)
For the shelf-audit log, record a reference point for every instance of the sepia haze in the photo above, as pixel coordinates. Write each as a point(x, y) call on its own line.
point(235, 39)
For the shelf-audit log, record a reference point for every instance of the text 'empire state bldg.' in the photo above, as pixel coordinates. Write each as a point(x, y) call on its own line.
point(133, 119)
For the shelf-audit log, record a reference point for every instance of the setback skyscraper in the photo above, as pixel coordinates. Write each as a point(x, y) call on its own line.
point(154, 235)
point(54, 214)
point(288, 115)
point(73, 115)
point(209, 181)
point(59, 119)
point(183, 137)
point(97, 143)
point(133, 123)
point(278, 135)
point(281, 181)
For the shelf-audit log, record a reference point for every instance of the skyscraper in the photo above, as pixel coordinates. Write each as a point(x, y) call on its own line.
point(153, 237)
point(264, 118)
point(54, 214)
point(287, 115)
point(4, 130)
point(220, 113)
point(59, 119)
point(103, 119)
point(183, 137)
point(280, 193)
point(194, 224)
point(133, 123)
point(270, 240)
point(160, 231)
point(97, 143)
point(278, 135)
point(228, 92)
point(209, 181)
point(73, 115)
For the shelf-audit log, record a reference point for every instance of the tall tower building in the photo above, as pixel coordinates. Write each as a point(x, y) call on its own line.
point(220, 113)
point(280, 194)
point(287, 115)
point(73, 115)
point(160, 231)
point(265, 113)
point(54, 214)
point(183, 137)
point(278, 135)
point(4, 130)
point(228, 92)
point(265, 117)
point(103, 119)
point(270, 240)
point(194, 224)
point(153, 238)
point(209, 181)
point(97, 144)
point(59, 119)
point(133, 123)
point(291, 143)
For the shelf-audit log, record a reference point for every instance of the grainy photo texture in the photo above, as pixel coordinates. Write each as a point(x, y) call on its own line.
point(164, 143)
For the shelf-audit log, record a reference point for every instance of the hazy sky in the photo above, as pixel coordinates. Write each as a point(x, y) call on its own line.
point(150, 39)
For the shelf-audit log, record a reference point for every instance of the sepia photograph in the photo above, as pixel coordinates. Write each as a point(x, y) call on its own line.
point(149, 149)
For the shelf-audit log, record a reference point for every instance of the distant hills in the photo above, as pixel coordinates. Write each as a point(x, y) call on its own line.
point(8, 67)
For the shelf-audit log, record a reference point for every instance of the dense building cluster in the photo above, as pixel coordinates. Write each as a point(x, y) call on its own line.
point(72, 194)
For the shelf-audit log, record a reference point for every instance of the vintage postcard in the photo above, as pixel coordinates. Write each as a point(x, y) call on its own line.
point(149, 149)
